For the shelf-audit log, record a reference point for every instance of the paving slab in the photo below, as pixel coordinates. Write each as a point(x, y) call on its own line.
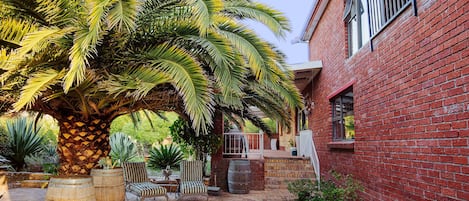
point(38, 194)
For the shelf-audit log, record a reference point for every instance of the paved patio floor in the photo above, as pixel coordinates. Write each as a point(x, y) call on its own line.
point(37, 194)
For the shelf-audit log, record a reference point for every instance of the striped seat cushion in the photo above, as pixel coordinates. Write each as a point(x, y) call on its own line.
point(146, 189)
point(193, 187)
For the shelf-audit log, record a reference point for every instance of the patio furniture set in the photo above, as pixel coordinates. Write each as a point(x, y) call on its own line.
point(138, 183)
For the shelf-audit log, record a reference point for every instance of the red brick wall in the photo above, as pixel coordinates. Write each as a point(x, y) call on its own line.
point(411, 97)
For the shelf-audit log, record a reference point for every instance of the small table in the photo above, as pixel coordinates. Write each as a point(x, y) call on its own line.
point(171, 185)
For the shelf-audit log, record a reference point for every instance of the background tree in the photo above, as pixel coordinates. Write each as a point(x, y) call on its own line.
point(87, 62)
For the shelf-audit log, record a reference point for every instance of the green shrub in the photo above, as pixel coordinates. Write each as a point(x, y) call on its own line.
point(23, 140)
point(340, 188)
point(123, 148)
point(165, 155)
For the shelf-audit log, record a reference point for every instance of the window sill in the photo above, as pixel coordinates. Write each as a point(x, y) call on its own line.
point(342, 145)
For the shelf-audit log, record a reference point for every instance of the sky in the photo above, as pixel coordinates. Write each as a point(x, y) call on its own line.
point(297, 11)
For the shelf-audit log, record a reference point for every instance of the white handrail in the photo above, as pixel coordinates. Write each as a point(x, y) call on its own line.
point(238, 144)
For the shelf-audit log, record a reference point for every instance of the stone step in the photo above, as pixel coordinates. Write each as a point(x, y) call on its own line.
point(34, 183)
point(39, 176)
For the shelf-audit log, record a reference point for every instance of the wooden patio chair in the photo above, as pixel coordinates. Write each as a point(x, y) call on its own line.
point(192, 179)
point(137, 181)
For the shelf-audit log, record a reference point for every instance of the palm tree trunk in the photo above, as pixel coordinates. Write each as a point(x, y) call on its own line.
point(81, 143)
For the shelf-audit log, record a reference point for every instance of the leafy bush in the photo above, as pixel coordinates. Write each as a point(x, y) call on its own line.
point(341, 188)
point(165, 155)
point(23, 140)
point(303, 188)
point(123, 148)
point(185, 136)
point(147, 130)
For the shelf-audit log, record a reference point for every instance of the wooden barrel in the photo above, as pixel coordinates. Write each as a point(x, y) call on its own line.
point(239, 176)
point(108, 184)
point(70, 188)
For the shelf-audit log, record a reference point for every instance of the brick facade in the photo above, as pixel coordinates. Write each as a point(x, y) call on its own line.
point(411, 102)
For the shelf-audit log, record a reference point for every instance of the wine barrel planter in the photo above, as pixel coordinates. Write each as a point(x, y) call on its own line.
point(71, 188)
point(108, 184)
point(239, 176)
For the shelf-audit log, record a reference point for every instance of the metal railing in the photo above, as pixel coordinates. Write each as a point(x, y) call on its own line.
point(243, 145)
point(382, 12)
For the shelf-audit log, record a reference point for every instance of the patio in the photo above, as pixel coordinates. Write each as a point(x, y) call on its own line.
point(37, 194)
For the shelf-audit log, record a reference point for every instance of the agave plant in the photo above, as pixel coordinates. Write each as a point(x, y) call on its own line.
point(24, 140)
point(123, 148)
point(165, 155)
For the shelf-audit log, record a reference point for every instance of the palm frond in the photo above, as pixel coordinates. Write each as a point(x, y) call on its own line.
point(38, 83)
point(136, 84)
point(39, 40)
point(272, 18)
point(204, 11)
point(13, 30)
point(123, 15)
point(188, 78)
point(59, 12)
point(24, 9)
point(224, 62)
point(249, 46)
point(85, 42)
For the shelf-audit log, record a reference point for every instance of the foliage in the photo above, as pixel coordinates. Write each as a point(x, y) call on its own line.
point(50, 168)
point(251, 128)
point(349, 127)
point(107, 163)
point(164, 155)
point(49, 153)
point(185, 136)
point(123, 148)
point(148, 131)
point(6, 163)
point(121, 55)
point(47, 158)
point(4, 145)
point(291, 142)
point(24, 140)
point(303, 188)
point(226, 125)
point(340, 188)
point(97, 60)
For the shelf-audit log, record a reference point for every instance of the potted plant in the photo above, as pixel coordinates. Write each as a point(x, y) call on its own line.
point(293, 149)
point(108, 180)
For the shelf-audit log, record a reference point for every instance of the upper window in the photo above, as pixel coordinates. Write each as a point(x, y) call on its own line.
point(366, 18)
point(382, 12)
point(356, 17)
point(343, 123)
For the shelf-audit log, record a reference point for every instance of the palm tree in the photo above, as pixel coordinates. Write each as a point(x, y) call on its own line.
point(87, 62)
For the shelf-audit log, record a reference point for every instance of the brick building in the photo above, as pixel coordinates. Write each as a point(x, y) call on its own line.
point(391, 102)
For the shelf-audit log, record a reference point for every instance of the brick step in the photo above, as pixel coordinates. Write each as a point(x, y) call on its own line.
point(39, 176)
point(34, 183)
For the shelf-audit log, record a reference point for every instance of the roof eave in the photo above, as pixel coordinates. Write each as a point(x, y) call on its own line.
point(319, 6)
